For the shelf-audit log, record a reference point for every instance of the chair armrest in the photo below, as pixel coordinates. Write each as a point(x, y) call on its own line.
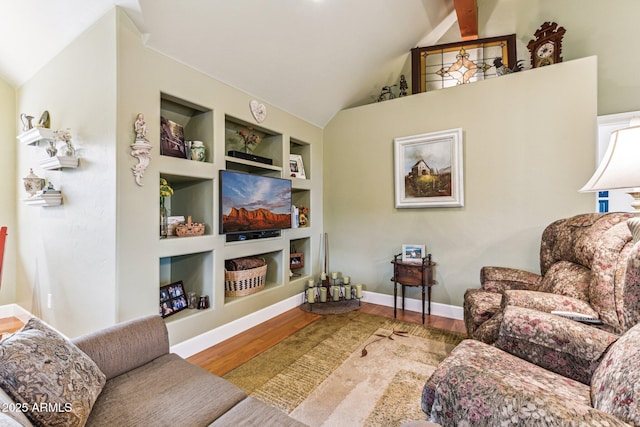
point(126, 346)
point(498, 279)
point(563, 346)
point(472, 396)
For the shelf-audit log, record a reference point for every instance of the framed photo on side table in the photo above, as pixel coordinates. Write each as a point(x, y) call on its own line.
point(172, 298)
point(296, 166)
point(413, 253)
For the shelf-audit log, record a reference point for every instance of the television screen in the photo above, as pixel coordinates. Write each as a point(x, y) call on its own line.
point(253, 202)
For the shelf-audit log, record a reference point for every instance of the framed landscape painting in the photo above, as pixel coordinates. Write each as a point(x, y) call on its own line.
point(428, 170)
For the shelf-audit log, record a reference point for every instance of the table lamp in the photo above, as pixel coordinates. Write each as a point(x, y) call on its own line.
point(620, 170)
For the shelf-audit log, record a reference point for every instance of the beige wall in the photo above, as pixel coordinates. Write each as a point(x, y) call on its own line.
point(69, 251)
point(8, 186)
point(603, 28)
point(529, 144)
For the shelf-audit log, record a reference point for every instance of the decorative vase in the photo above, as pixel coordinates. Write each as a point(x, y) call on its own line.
point(164, 219)
point(198, 151)
point(51, 149)
point(33, 183)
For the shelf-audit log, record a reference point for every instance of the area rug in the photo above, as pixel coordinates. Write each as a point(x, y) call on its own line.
point(319, 376)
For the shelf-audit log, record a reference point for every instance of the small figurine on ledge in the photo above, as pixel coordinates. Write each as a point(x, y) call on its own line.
point(141, 128)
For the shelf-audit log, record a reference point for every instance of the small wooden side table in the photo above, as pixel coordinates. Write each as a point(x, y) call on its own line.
point(412, 274)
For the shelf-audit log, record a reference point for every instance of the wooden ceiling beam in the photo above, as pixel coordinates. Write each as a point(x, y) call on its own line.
point(467, 11)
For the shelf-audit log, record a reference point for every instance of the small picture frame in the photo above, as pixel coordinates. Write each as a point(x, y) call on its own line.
point(296, 260)
point(296, 166)
point(413, 253)
point(172, 139)
point(172, 299)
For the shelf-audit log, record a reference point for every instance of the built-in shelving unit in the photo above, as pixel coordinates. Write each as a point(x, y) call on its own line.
point(190, 259)
point(199, 261)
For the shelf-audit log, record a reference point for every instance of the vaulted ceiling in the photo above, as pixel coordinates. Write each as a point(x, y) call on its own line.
point(310, 58)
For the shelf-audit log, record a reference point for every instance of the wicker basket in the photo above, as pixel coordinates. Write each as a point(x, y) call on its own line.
point(244, 282)
point(189, 229)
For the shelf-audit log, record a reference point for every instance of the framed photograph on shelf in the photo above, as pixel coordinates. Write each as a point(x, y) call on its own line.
point(172, 139)
point(413, 253)
point(172, 299)
point(296, 166)
point(428, 170)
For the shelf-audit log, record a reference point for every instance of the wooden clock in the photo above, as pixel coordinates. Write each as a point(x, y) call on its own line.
point(547, 46)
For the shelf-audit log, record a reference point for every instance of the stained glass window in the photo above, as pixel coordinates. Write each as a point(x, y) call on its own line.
point(447, 65)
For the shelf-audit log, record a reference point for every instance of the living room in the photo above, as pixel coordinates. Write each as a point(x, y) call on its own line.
point(529, 142)
point(544, 120)
point(514, 128)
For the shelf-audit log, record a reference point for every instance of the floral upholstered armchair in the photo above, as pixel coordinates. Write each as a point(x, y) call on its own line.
point(583, 262)
point(483, 385)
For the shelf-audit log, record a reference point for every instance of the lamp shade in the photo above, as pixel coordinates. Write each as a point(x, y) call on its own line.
point(620, 167)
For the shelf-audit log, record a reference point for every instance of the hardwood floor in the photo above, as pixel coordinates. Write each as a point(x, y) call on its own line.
point(9, 325)
point(235, 351)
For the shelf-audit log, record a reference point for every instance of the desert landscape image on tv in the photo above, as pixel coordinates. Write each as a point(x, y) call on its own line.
point(254, 203)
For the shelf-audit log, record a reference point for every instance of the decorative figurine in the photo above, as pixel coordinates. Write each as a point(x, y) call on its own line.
point(51, 149)
point(386, 93)
point(140, 149)
point(45, 120)
point(502, 69)
point(403, 86)
point(141, 128)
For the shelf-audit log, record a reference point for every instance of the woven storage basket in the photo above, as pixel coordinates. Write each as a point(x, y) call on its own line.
point(244, 282)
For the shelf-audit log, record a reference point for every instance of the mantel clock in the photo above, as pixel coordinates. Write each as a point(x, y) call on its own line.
point(547, 46)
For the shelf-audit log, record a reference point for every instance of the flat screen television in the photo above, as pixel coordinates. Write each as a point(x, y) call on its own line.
point(251, 204)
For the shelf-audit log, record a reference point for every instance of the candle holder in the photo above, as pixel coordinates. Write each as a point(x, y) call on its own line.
point(331, 289)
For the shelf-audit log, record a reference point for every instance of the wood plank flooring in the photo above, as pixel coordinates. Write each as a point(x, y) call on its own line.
point(10, 324)
point(237, 350)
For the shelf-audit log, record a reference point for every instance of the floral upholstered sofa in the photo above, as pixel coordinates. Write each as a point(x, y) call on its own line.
point(583, 262)
point(484, 385)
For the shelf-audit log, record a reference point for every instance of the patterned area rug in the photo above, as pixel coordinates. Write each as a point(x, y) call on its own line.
point(319, 377)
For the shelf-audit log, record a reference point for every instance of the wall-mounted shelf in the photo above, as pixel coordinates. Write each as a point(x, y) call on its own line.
point(33, 136)
point(59, 162)
point(45, 199)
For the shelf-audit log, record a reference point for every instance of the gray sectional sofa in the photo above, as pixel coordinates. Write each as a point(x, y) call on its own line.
point(128, 379)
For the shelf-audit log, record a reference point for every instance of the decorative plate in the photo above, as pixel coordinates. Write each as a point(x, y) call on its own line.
point(258, 110)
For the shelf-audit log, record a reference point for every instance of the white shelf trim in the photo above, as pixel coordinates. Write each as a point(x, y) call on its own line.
point(57, 162)
point(32, 136)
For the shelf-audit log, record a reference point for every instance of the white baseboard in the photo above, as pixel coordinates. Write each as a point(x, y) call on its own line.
point(215, 336)
point(412, 304)
point(14, 310)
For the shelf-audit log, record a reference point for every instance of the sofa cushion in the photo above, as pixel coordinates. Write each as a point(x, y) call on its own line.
point(547, 302)
point(615, 387)
point(43, 370)
point(567, 278)
point(517, 372)
point(253, 412)
point(571, 349)
point(169, 391)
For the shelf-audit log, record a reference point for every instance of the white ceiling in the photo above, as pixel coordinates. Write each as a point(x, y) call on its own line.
point(311, 58)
